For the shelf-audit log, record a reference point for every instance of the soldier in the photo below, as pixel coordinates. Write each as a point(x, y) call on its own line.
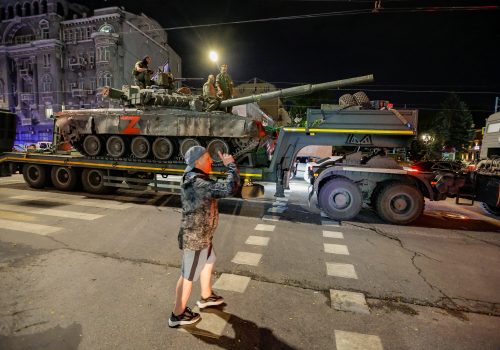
point(142, 74)
point(224, 85)
point(200, 216)
point(209, 87)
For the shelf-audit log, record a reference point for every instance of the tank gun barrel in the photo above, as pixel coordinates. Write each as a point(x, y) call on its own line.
point(297, 91)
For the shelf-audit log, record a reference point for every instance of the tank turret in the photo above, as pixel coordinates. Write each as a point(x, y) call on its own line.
point(159, 124)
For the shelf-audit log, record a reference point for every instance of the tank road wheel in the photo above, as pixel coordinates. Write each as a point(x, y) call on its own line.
point(64, 178)
point(35, 175)
point(93, 181)
point(340, 198)
point(187, 144)
point(399, 203)
point(92, 145)
point(115, 146)
point(216, 145)
point(140, 147)
point(163, 148)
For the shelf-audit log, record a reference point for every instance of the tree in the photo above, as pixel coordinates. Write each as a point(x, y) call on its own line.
point(453, 125)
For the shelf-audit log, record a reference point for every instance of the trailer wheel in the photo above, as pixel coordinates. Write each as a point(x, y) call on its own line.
point(64, 178)
point(399, 203)
point(340, 198)
point(93, 182)
point(35, 175)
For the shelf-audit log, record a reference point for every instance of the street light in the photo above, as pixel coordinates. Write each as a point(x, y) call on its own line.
point(426, 138)
point(213, 56)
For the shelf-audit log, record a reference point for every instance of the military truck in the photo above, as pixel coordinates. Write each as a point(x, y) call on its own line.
point(396, 193)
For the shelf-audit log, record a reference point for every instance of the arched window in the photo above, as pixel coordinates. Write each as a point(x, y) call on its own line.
point(44, 29)
point(44, 6)
point(47, 83)
point(60, 9)
point(19, 10)
point(106, 28)
point(10, 12)
point(105, 79)
point(36, 9)
point(2, 14)
point(27, 9)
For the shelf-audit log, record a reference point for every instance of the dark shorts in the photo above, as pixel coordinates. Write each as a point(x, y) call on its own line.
point(193, 261)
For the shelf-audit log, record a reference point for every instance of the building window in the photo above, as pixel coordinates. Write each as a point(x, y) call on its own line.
point(106, 28)
point(10, 12)
point(105, 79)
point(70, 35)
point(44, 29)
point(103, 54)
point(2, 91)
point(36, 9)
point(19, 10)
point(27, 9)
point(81, 84)
point(92, 85)
point(47, 83)
point(46, 60)
point(91, 58)
point(44, 6)
point(89, 32)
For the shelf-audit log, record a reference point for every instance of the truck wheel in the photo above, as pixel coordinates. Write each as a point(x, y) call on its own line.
point(64, 178)
point(93, 182)
point(490, 209)
point(35, 175)
point(340, 198)
point(399, 203)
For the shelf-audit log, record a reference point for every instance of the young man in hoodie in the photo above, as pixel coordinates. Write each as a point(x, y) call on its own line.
point(200, 216)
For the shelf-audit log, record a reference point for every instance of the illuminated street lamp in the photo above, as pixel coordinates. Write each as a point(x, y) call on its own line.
point(213, 56)
point(426, 138)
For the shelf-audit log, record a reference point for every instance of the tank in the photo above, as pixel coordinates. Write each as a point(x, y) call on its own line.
point(159, 124)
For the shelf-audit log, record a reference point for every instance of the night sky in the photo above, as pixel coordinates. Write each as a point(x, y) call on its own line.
point(416, 57)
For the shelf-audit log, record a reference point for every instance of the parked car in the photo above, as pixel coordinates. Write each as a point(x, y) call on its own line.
point(316, 167)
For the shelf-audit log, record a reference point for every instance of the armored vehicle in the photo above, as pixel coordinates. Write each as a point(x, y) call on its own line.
point(161, 125)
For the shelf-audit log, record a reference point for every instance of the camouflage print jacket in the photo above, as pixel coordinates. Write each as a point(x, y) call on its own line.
point(200, 214)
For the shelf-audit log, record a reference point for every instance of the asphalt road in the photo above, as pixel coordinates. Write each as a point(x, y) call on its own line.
point(98, 272)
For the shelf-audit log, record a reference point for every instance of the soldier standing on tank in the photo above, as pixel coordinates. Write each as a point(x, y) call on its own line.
point(142, 74)
point(224, 85)
point(200, 216)
point(209, 87)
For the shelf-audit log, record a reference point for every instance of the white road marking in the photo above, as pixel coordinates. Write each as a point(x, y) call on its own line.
point(278, 210)
point(80, 202)
point(263, 227)
point(233, 283)
point(333, 234)
point(50, 212)
point(212, 323)
point(28, 227)
point(336, 249)
point(280, 204)
point(349, 301)
point(257, 240)
point(357, 341)
point(245, 258)
point(271, 218)
point(341, 270)
point(282, 199)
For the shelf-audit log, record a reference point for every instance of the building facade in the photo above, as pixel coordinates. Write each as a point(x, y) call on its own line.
point(55, 55)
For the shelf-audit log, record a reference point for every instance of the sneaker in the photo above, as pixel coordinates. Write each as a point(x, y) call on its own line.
point(187, 317)
point(212, 300)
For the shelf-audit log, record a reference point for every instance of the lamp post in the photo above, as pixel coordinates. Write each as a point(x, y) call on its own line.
point(427, 140)
point(214, 57)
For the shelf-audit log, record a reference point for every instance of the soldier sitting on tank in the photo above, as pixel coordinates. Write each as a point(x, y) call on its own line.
point(224, 85)
point(209, 87)
point(142, 74)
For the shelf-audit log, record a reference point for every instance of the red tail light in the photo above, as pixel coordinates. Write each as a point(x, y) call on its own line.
point(414, 169)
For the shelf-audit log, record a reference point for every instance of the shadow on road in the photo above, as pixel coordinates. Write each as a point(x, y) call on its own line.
point(247, 336)
point(57, 338)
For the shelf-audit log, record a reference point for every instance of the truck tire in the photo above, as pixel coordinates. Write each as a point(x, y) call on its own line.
point(347, 100)
point(340, 199)
point(35, 175)
point(490, 209)
point(64, 178)
point(399, 203)
point(93, 182)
